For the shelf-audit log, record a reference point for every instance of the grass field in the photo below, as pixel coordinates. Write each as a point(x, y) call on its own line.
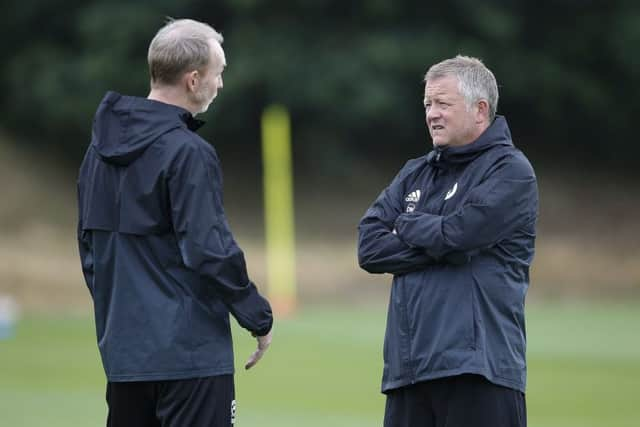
point(324, 370)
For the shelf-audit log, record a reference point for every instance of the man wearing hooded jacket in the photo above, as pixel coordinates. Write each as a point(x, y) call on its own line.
point(456, 228)
point(160, 262)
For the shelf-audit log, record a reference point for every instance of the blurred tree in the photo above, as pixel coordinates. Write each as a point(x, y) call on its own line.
point(350, 72)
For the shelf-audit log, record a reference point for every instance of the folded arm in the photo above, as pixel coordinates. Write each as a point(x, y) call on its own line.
point(505, 201)
point(380, 250)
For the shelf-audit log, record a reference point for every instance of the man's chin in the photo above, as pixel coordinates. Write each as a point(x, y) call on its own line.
point(439, 143)
point(204, 108)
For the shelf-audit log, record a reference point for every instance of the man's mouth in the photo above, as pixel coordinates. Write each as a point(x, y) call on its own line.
point(437, 127)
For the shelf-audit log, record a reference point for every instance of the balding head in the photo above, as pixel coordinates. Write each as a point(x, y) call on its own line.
point(179, 47)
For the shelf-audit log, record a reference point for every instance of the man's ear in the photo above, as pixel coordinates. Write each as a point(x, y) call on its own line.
point(191, 80)
point(483, 111)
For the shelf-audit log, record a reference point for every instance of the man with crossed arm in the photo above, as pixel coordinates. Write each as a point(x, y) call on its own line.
point(456, 228)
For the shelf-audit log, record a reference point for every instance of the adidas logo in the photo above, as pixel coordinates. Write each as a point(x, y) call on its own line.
point(414, 196)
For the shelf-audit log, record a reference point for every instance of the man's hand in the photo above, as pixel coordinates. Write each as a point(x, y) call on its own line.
point(263, 345)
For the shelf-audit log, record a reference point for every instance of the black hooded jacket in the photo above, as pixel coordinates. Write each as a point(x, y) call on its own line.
point(157, 253)
point(457, 229)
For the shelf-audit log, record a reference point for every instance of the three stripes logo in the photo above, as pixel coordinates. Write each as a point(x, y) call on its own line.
point(414, 196)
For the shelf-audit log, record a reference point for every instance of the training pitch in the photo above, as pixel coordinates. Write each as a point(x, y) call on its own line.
point(324, 367)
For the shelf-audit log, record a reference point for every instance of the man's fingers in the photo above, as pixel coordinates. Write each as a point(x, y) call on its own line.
point(263, 345)
point(257, 355)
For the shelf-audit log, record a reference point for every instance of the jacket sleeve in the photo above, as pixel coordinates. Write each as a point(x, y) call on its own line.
point(505, 201)
point(84, 247)
point(205, 241)
point(379, 249)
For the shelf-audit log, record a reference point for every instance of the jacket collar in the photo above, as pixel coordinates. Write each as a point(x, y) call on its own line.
point(497, 134)
point(192, 123)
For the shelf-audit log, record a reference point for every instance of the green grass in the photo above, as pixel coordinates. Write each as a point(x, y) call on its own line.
point(324, 369)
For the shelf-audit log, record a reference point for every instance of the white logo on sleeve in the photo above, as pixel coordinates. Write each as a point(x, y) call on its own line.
point(451, 192)
point(414, 196)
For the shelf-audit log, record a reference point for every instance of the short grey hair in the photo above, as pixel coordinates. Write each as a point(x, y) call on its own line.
point(180, 46)
point(475, 80)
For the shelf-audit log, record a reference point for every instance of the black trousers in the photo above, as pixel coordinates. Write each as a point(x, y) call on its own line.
point(197, 402)
point(458, 401)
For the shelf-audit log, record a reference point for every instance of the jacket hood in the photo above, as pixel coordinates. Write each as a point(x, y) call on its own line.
point(125, 126)
point(497, 134)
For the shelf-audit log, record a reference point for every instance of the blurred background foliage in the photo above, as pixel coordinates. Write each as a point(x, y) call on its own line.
point(349, 71)
point(350, 74)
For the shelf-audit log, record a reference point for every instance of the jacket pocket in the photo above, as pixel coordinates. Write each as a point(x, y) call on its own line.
point(441, 316)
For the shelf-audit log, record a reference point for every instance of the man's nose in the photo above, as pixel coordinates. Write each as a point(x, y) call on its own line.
point(432, 113)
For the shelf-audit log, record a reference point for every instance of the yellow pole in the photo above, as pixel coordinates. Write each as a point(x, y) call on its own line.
point(278, 205)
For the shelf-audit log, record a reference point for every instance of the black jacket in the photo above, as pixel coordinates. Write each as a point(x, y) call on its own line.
point(457, 229)
point(158, 257)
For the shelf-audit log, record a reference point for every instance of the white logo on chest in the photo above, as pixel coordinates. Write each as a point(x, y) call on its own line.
point(451, 192)
point(414, 196)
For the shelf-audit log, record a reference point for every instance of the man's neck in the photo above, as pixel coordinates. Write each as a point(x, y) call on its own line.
point(172, 96)
point(479, 131)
